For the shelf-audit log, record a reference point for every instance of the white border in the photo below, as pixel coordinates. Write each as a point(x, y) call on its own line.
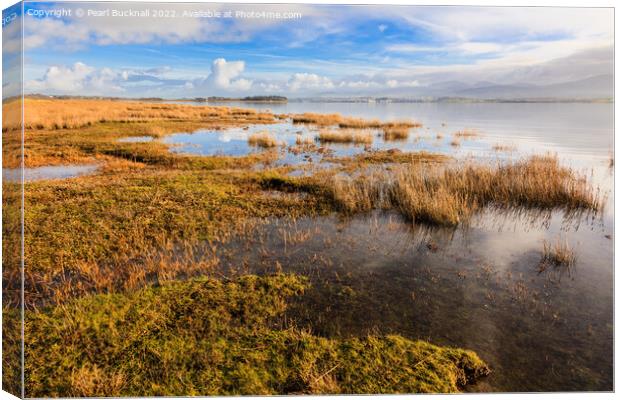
point(552, 3)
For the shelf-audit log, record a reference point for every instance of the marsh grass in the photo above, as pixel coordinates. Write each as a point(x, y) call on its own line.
point(345, 136)
point(79, 131)
point(558, 254)
point(450, 195)
point(455, 143)
point(392, 156)
point(396, 133)
point(50, 114)
point(222, 337)
point(330, 120)
point(263, 139)
point(110, 232)
point(304, 141)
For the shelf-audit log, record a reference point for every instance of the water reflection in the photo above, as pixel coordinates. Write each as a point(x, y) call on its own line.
point(48, 172)
point(477, 287)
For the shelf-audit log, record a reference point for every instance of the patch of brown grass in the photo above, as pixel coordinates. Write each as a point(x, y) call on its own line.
point(449, 196)
point(53, 114)
point(324, 120)
point(263, 139)
point(345, 136)
point(301, 140)
point(398, 132)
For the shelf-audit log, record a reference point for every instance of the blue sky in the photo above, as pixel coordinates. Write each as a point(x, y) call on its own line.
point(324, 50)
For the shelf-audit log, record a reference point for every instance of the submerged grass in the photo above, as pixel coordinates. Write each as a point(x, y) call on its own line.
point(449, 196)
point(213, 337)
point(558, 254)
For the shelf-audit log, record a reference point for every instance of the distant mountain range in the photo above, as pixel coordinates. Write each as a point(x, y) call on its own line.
point(596, 87)
point(599, 87)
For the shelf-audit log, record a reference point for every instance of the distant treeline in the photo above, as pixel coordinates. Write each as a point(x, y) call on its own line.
point(255, 99)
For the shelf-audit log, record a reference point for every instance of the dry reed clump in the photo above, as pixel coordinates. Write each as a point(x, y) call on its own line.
point(345, 136)
point(559, 254)
point(397, 132)
point(455, 143)
point(449, 196)
point(348, 122)
point(262, 139)
point(301, 140)
point(51, 114)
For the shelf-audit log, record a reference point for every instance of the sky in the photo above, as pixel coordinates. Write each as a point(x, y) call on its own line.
point(189, 50)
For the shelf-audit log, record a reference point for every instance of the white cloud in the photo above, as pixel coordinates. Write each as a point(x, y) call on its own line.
point(309, 81)
point(76, 79)
point(393, 83)
point(225, 75)
point(382, 27)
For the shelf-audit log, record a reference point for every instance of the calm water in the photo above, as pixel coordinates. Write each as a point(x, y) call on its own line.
point(48, 172)
point(478, 286)
point(579, 133)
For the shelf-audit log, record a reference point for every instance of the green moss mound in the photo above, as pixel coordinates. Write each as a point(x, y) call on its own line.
point(220, 337)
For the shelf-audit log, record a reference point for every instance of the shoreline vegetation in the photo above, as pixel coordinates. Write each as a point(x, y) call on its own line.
point(112, 263)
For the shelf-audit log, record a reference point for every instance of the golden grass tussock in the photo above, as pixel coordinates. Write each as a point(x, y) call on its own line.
point(345, 136)
point(558, 254)
point(76, 113)
point(450, 195)
point(263, 139)
point(455, 143)
point(324, 120)
point(304, 140)
point(398, 132)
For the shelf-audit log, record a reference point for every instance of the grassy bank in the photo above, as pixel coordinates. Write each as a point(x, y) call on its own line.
point(211, 337)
